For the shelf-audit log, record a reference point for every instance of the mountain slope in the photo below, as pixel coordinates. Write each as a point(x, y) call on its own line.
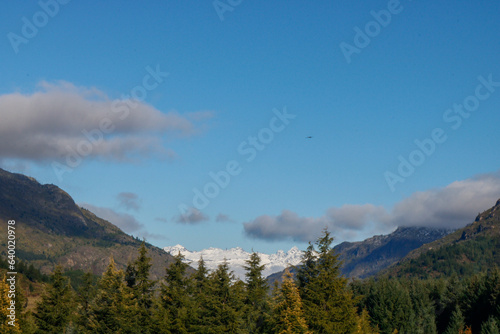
point(236, 257)
point(51, 229)
point(468, 250)
point(366, 258)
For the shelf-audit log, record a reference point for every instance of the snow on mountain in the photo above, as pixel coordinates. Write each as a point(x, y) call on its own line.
point(236, 258)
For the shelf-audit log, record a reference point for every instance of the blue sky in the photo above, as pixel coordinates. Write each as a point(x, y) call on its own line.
point(180, 90)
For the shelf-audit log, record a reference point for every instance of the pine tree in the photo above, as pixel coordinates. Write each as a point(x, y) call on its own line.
point(85, 296)
point(491, 326)
point(363, 324)
point(389, 305)
point(328, 304)
point(143, 289)
point(199, 292)
point(456, 324)
point(288, 315)
point(256, 302)
point(421, 317)
point(222, 311)
point(130, 275)
point(113, 309)
point(53, 312)
point(174, 296)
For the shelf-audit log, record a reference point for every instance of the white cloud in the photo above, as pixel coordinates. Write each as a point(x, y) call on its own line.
point(453, 206)
point(52, 122)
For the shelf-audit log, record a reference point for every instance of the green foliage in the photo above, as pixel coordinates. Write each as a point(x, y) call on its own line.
point(84, 297)
point(174, 296)
point(288, 315)
point(457, 322)
point(224, 303)
point(319, 301)
point(29, 271)
point(491, 326)
point(113, 309)
point(463, 259)
point(363, 324)
point(53, 312)
point(256, 301)
point(143, 290)
point(328, 303)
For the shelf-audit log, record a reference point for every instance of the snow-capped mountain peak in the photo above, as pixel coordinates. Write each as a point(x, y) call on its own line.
point(236, 257)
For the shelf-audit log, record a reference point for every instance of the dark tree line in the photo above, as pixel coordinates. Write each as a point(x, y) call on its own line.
point(317, 300)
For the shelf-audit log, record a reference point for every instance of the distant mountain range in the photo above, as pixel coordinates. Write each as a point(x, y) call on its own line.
point(51, 229)
point(360, 259)
point(236, 257)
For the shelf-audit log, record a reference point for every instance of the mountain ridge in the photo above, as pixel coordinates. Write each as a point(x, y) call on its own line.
point(469, 249)
point(51, 229)
point(366, 258)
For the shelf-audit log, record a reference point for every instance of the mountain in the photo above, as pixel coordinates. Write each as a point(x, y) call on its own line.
point(366, 258)
point(236, 258)
point(51, 229)
point(468, 250)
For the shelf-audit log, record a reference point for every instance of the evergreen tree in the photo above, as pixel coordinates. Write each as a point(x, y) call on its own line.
point(490, 326)
point(221, 313)
point(363, 324)
point(288, 315)
point(85, 296)
point(389, 305)
point(328, 304)
point(174, 296)
point(422, 318)
point(114, 309)
point(199, 293)
point(130, 274)
point(53, 312)
point(143, 289)
point(256, 302)
point(457, 323)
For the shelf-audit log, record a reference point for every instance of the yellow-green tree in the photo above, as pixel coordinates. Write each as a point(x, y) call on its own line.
point(114, 309)
point(7, 325)
point(288, 315)
point(363, 324)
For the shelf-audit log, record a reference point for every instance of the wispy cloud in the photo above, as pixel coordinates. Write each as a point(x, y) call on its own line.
point(126, 222)
point(192, 216)
point(452, 206)
point(54, 120)
point(223, 218)
point(129, 201)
